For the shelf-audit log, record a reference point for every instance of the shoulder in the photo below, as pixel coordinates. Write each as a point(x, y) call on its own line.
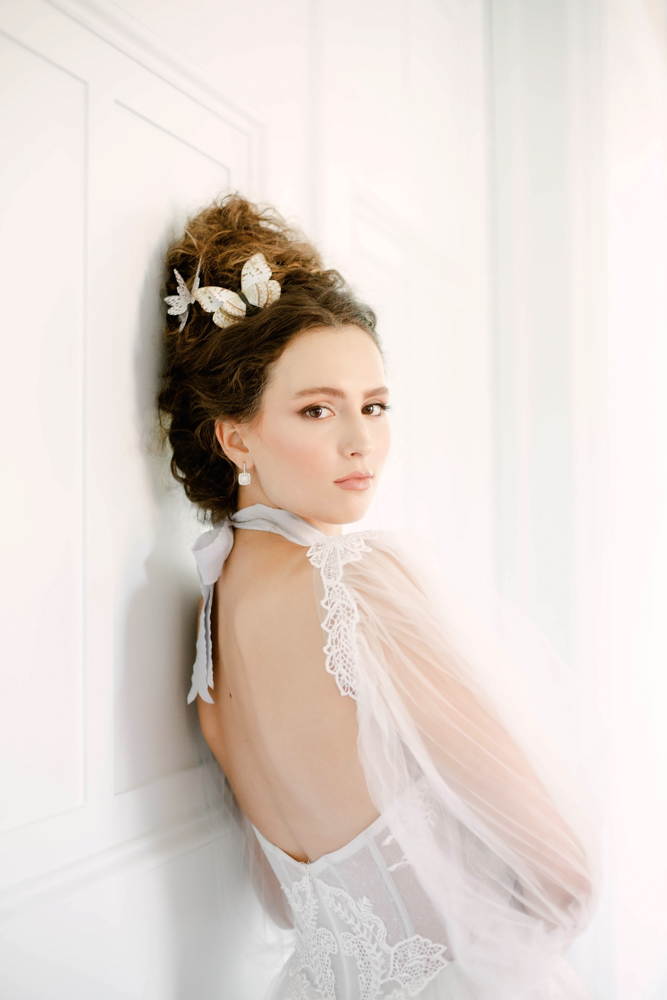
point(274, 597)
point(341, 549)
point(384, 564)
point(370, 546)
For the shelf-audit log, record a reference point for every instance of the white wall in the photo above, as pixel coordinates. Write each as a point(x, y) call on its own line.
point(366, 123)
point(635, 596)
point(578, 139)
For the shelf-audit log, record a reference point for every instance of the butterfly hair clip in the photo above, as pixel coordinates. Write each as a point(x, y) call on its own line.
point(258, 289)
point(180, 303)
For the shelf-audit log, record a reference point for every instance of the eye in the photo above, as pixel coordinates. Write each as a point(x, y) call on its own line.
point(317, 412)
point(377, 408)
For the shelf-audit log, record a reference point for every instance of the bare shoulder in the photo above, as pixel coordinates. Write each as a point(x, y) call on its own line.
point(276, 611)
point(260, 567)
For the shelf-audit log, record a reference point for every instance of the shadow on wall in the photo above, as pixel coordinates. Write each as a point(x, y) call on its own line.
point(212, 944)
point(155, 730)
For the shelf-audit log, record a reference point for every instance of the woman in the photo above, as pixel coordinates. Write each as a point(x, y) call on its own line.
point(424, 840)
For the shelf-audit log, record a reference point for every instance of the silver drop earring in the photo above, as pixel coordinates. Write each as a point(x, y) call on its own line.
point(244, 477)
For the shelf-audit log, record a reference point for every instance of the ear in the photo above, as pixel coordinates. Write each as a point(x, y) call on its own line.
point(230, 439)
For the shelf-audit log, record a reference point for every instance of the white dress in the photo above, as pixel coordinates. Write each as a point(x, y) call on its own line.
point(364, 927)
point(479, 871)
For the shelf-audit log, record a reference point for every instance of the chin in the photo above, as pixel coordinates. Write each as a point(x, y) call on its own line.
point(348, 508)
point(342, 508)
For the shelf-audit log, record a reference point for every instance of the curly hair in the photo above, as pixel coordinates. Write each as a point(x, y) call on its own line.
point(212, 373)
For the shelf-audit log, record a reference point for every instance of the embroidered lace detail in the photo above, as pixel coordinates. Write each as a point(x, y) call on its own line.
point(299, 988)
point(330, 555)
point(411, 963)
point(430, 805)
point(314, 944)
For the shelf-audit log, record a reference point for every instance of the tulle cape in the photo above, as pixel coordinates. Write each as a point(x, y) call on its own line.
point(478, 713)
point(501, 836)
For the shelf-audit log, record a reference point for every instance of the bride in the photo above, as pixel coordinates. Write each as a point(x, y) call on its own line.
point(419, 831)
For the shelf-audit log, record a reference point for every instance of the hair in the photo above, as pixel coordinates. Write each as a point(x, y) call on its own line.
point(211, 373)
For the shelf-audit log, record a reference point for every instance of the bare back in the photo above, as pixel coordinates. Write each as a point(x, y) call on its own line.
point(281, 730)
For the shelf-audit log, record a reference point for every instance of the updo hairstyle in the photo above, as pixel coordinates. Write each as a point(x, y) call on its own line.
point(212, 373)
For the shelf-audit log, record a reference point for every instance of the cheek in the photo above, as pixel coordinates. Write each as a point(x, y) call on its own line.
point(382, 440)
point(295, 445)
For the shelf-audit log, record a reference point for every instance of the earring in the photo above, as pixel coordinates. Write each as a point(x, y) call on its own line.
point(244, 477)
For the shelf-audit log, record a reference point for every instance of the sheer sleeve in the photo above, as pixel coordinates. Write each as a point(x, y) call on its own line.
point(495, 827)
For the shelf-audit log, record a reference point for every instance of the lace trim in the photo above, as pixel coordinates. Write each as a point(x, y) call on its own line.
point(412, 963)
point(330, 555)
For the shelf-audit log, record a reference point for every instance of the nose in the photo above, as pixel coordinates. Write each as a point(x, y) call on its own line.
point(358, 442)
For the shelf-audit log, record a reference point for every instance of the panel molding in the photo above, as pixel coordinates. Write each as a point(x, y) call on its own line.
point(172, 135)
point(105, 20)
point(129, 36)
point(131, 857)
point(64, 133)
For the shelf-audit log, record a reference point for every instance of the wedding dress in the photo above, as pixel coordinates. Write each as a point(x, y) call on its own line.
point(480, 869)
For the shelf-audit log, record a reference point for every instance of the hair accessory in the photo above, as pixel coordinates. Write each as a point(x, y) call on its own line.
point(258, 288)
point(181, 302)
point(244, 477)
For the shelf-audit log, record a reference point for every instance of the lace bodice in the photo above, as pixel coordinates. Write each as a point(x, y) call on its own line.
point(364, 928)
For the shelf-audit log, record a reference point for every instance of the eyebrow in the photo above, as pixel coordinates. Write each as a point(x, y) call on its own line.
point(327, 390)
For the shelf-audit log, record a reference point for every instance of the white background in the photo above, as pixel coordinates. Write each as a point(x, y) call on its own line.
point(491, 174)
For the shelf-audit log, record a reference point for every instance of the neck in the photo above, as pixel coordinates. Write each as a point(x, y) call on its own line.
point(253, 494)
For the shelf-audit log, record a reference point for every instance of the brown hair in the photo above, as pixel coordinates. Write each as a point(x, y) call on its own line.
point(212, 373)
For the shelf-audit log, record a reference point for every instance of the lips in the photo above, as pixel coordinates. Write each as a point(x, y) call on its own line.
point(355, 481)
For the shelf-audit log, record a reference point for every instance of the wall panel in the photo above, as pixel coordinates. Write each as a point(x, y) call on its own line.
point(42, 261)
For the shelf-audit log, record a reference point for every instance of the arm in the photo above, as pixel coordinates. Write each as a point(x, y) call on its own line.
point(425, 656)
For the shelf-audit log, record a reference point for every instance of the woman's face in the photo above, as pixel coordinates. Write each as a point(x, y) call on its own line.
point(322, 436)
